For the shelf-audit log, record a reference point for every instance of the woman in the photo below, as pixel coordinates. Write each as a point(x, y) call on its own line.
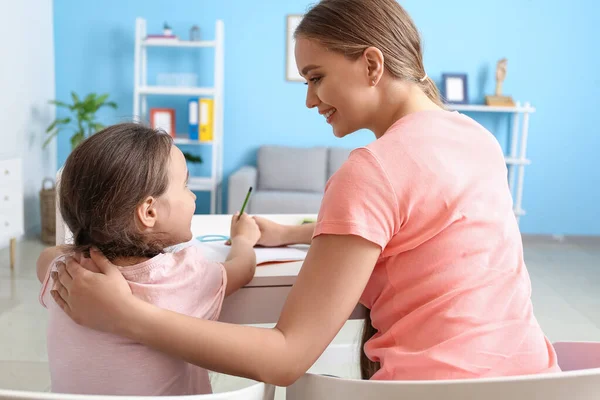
point(417, 226)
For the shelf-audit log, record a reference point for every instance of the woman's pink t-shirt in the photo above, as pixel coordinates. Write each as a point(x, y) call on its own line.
point(450, 293)
point(84, 361)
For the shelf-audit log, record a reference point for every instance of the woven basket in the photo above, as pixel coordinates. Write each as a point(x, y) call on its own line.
point(48, 212)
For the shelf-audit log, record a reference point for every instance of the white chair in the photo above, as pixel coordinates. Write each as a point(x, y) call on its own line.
point(257, 391)
point(575, 356)
point(576, 383)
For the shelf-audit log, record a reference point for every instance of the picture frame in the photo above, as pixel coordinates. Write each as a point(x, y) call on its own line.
point(163, 118)
point(291, 71)
point(455, 88)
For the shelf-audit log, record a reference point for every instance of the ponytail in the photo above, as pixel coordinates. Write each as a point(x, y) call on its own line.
point(430, 89)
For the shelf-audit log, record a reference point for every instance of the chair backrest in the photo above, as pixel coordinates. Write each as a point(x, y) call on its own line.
point(580, 385)
point(574, 356)
point(256, 391)
point(341, 360)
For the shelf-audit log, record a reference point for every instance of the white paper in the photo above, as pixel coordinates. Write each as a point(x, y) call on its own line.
point(218, 251)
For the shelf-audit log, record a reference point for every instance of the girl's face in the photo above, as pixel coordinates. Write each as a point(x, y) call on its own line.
point(177, 205)
point(339, 88)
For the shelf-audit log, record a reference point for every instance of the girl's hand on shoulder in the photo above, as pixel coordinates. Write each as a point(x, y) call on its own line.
point(244, 227)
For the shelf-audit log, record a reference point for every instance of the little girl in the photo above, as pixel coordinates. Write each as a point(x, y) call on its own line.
point(124, 191)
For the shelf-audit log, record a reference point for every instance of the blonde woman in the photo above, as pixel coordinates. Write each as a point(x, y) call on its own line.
point(417, 226)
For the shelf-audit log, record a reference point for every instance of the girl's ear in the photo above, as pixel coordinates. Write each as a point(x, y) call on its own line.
point(374, 59)
point(147, 213)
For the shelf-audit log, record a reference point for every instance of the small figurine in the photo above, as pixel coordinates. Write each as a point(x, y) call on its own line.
point(195, 33)
point(167, 30)
point(498, 99)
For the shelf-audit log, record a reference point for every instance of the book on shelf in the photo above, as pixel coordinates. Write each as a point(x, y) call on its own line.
point(206, 119)
point(193, 112)
point(201, 119)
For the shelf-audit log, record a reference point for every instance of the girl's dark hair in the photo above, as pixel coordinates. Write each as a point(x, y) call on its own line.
point(349, 27)
point(367, 367)
point(103, 181)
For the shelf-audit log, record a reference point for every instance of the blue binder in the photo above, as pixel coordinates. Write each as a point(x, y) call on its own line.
point(193, 118)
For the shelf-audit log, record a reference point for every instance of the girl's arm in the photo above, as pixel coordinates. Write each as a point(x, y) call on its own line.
point(241, 260)
point(240, 264)
point(328, 287)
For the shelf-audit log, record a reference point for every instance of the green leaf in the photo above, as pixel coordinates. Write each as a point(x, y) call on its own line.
point(76, 139)
point(87, 117)
point(101, 99)
point(49, 139)
point(59, 103)
point(192, 158)
point(97, 127)
point(90, 98)
point(89, 105)
point(58, 121)
point(75, 98)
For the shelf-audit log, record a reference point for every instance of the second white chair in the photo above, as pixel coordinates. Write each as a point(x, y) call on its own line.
point(580, 380)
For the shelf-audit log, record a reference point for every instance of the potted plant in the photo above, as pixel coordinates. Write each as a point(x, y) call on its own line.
point(83, 124)
point(83, 119)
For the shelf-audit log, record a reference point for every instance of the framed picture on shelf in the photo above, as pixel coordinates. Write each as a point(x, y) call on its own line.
point(291, 71)
point(163, 118)
point(454, 88)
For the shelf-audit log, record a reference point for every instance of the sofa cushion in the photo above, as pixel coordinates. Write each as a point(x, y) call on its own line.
point(285, 202)
point(292, 168)
point(337, 156)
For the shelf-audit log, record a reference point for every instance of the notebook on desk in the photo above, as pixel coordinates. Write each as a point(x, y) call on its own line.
point(218, 251)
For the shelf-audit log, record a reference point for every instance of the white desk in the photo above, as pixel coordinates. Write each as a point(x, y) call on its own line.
point(262, 299)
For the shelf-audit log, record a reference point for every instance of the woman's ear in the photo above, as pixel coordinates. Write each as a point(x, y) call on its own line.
point(147, 213)
point(374, 61)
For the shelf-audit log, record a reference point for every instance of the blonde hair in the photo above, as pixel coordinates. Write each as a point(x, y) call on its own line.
point(351, 26)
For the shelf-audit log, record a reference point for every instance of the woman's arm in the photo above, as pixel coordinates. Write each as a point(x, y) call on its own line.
point(328, 287)
point(274, 234)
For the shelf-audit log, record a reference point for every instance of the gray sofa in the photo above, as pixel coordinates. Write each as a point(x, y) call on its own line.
point(286, 180)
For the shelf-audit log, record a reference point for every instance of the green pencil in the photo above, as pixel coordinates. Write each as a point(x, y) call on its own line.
point(245, 202)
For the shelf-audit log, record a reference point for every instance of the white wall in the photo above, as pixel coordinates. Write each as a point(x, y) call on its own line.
point(26, 85)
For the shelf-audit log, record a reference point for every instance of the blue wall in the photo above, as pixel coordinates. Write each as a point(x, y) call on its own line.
point(552, 63)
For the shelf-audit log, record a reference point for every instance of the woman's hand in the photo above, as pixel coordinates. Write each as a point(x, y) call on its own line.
point(244, 227)
point(101, 301)
point(271, 233)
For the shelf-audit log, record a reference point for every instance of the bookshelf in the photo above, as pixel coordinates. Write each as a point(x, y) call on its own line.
point(141, 89)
